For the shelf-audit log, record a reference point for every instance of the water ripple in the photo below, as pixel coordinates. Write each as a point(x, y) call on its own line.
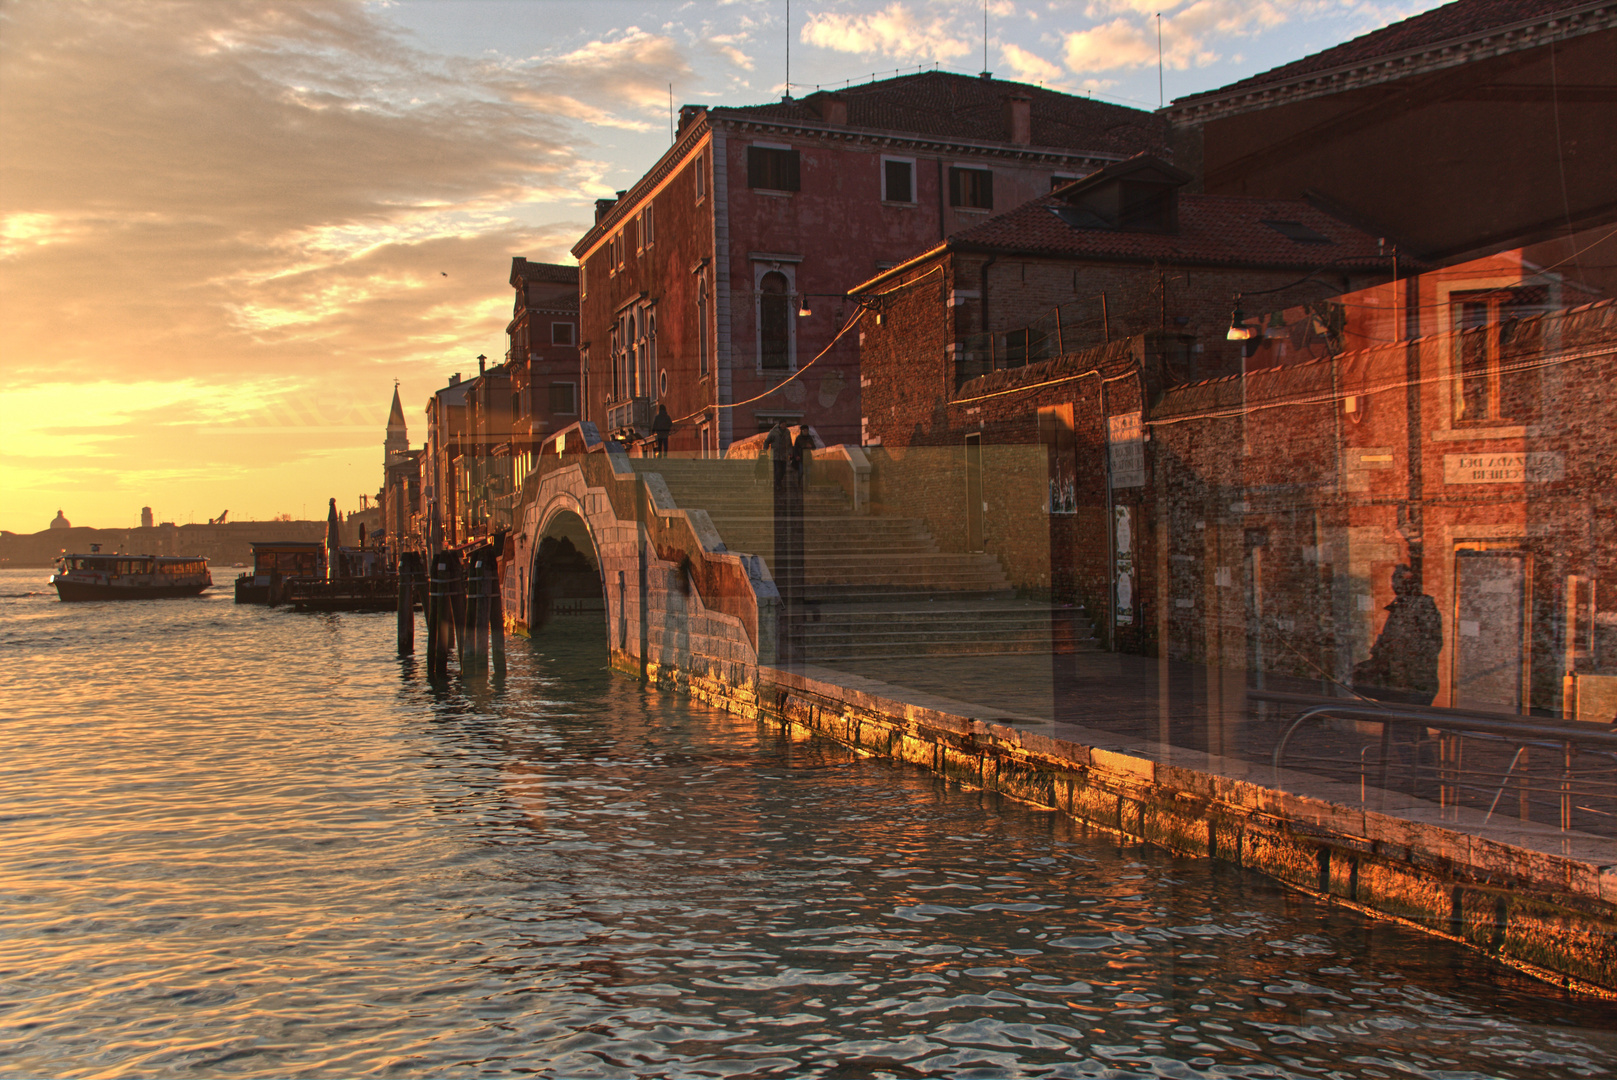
point(238, 843)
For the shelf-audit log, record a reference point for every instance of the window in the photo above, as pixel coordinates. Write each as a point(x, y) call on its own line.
point(647, 227)
point(1482, 323)
point(1061, 180)
point(898, 180)
point(561, 333)
point(774, 322)
point(584, 371)
point(772, 168)
point(646, 351)
point(701, 321)
point(583, 279)
point(971, 188)
point(701, 176)
point(562, 399)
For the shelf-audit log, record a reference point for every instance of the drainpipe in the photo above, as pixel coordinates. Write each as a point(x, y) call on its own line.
point(943, 227)
point(982, 287)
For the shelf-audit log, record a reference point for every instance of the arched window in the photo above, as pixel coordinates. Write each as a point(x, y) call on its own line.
point(774, 322)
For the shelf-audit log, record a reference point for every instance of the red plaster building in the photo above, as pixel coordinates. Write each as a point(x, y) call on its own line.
point(720, 274)
point(542, 358)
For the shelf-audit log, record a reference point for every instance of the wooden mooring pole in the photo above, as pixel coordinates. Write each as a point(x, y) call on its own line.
point(441, 597)
point(474, 658)
point(409, 566)
point(496, 620)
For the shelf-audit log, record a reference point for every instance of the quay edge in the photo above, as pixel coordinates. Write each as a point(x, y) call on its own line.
point(687, 615)
point(1548, 915)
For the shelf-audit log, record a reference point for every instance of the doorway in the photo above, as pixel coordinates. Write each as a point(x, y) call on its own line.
point(1492, 591)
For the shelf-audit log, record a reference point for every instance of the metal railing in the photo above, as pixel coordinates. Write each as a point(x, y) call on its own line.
point(1476, 759)
point(1069, 327)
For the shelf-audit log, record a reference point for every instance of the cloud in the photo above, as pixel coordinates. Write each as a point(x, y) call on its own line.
point(1030, 67)
point(227, 201)
point(895, 31)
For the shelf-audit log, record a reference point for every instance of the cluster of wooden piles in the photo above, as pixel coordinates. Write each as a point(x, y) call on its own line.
point(464, 615)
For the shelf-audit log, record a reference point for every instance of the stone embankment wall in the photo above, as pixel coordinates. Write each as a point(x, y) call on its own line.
point(687, 615)
point(1551, 915)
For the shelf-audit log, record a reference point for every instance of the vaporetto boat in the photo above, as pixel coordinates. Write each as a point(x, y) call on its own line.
point(129, 577)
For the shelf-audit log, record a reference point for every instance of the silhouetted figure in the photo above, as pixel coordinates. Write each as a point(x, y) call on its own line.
point(779, 441)
point(1402, 667)
point(1402, 670)
point(802, 454)
point(660, 427)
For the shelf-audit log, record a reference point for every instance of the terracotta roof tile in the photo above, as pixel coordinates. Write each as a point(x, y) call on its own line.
point(559, 273)
point(1213, 229)
point(944, 105)
point(1451, 22)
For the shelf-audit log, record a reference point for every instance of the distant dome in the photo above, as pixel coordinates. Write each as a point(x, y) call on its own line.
point(60, 522)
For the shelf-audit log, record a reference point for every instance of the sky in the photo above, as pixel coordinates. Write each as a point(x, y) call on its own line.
point(227, 228)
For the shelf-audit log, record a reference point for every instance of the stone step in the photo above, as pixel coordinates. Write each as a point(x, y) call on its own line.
point(886, 593)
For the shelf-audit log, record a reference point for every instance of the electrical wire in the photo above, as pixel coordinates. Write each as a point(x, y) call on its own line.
point(849, 325)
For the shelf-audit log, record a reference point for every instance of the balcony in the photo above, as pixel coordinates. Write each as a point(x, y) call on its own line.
point(631, 417)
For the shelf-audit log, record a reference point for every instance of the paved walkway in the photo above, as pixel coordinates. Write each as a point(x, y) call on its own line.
point(1178, 713)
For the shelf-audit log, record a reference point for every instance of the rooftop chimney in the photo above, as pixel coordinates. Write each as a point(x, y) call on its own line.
point(688, 113)
point(833, 109)
point(603, 207)
point(454, 380)
point(1019, 118)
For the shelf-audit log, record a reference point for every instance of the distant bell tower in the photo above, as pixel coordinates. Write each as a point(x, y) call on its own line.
point(398, 439)
point(145, 517)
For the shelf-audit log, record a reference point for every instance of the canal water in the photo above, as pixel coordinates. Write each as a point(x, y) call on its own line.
point(243, 842)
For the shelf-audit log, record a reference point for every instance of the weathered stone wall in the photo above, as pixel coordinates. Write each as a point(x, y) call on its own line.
point(1550, 914)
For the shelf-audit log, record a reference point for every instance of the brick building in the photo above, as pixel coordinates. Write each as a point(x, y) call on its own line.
point(542, 358)
point(1119, 253)
point(1456, 423)
point(723, 270)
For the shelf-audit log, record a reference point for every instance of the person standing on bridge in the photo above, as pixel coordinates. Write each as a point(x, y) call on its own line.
point(802, 454)
point(779, 442)
point(661, 425)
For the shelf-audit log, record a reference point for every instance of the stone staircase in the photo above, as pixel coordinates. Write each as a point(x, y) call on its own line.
point(875, 587)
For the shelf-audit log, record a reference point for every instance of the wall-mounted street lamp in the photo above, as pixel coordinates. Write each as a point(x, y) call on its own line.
point(1239, 331)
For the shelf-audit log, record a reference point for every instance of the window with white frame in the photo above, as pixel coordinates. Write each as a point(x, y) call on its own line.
point(774, 322)
point(701, 176)
point(898, 180)
point(701, 321)
point(561, 333)
point(646, 227)
point(773, 168)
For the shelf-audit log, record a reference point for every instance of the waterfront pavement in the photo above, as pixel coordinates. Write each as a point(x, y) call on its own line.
point(1181, 715)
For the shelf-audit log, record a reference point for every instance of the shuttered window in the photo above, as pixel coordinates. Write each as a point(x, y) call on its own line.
point(773, 170)
point(971, 188)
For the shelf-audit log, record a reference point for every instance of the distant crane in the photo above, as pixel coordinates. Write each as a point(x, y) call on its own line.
point(220, 520)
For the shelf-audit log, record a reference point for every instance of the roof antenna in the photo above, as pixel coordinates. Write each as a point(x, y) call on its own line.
point(985, 73)
point(1161, 100)
point(788, 50)
point(670, 113)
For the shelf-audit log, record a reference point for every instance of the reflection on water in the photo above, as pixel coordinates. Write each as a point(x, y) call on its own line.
point(242, 842)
